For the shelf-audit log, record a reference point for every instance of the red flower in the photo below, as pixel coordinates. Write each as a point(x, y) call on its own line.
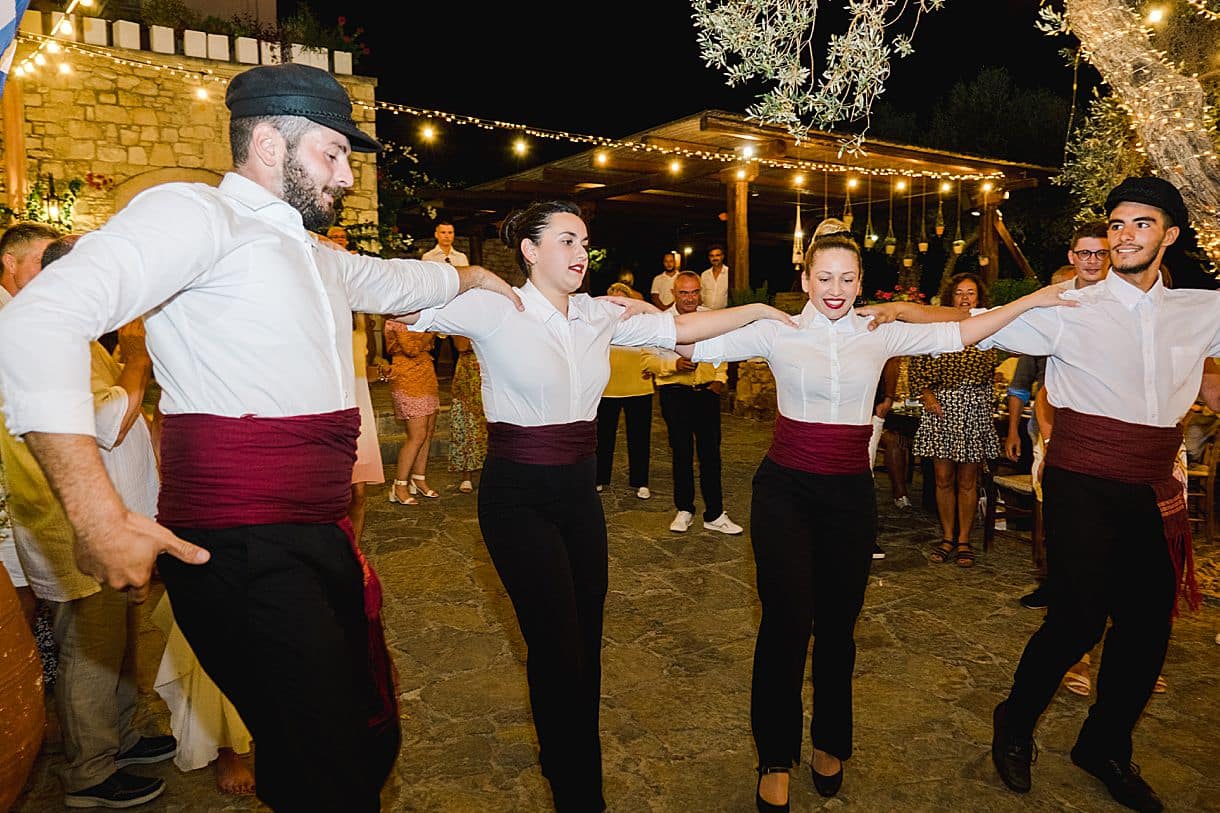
point(342, 20)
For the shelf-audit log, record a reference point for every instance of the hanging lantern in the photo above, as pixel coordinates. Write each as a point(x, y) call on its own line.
point(848, 217)
point(891, 242)
point(923, 216)
point(908, 256)
point(870, 234)
point(798, 237)
point(959, 245)
point(940, 212)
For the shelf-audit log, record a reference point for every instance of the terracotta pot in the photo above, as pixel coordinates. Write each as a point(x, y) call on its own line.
point(22, 714)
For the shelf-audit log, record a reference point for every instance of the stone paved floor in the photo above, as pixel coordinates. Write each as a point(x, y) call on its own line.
point(937, 648)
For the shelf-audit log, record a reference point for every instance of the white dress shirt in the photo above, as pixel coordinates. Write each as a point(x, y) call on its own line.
point(827, 372)
point(1124, 353)
point(663, 287)
point(454, 257)
point(246, 314)
point(713, 290)
point(539, 367)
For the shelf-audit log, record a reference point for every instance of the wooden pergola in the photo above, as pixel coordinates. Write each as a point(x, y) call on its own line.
point(716, 171)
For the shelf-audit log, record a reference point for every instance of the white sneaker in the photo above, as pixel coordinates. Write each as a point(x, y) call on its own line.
point(903, 502)
point(599, 488)
point(682, 522)
point(643, 493)
point(723, 524)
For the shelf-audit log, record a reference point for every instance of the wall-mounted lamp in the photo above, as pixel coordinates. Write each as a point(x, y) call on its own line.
point(51, 200)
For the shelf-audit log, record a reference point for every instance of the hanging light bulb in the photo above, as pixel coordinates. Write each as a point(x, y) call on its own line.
point(870, 234)
point(923, 216)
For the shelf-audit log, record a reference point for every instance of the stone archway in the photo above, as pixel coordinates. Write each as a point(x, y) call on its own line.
point(128, 189)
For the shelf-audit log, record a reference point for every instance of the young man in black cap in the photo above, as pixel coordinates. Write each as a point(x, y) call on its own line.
point(248, 321)
point(1122, 543)
point(1122, 547)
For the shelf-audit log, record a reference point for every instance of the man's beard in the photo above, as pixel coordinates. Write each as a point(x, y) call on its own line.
point(1138, 268)
point(302, 194)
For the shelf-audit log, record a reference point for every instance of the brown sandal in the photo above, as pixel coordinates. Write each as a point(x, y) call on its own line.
point(941, 552)
point(963, 554)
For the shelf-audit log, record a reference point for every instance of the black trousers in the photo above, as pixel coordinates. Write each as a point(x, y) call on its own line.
point(546, 534)
point(813, 538)
point(1109, 560)
point(276, 619)
point(692, 417)
point(638, 411)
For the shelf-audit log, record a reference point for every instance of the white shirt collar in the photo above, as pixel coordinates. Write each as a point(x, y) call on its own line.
point(536, 302)
point(847, 323)
point(257, 198)
point(1130, 296)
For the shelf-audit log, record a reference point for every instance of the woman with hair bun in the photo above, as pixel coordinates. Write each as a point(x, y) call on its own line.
point(544, 371)
point(813, 513)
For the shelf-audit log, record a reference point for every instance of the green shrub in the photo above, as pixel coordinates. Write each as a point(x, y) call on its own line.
point(1004, 291)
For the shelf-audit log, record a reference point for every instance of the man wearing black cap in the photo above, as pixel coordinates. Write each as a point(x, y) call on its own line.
point(1122, 544)
point(248, 323)
point(1121, 371)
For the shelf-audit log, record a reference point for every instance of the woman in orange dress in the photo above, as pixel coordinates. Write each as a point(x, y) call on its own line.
point(416, 396)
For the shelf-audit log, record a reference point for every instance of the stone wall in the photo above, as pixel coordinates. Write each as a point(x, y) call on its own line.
point(132, 119)
point(754, 396)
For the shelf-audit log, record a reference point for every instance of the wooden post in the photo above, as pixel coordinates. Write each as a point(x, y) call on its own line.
point(12, 107)
point(989, 247)
point(737, 185)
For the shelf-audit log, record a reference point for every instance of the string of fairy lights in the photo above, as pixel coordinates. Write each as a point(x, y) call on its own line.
point(604, 145)
point(1159, 92)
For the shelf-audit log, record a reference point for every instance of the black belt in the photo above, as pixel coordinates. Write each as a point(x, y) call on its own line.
point(704, 386)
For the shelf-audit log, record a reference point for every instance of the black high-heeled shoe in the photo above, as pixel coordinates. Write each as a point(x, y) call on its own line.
point(763, 805)
point(827, 786)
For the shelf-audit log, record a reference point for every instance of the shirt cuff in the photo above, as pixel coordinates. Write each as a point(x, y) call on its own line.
point(667, 331)
point(708, 349)
point(424, 321)
point(67, 412)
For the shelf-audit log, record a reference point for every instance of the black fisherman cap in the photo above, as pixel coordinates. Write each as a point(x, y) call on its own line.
point(297, 90)
point(1156, 192)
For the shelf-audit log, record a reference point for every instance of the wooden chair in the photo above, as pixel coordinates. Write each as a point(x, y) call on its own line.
point(1201, 491)
point(1019, 502)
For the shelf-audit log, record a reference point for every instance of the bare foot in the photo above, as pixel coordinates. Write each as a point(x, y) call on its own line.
point(232, 775)
point(773, 788)
point(826, 764)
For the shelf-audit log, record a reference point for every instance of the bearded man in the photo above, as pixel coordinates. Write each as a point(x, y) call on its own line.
point(248, 324)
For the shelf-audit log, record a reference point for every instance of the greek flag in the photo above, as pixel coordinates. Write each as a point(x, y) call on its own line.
point(11, 12)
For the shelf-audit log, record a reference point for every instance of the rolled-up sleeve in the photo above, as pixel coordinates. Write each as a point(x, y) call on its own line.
point(651, 329)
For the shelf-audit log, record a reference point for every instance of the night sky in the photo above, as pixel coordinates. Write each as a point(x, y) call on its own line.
point(636, 64)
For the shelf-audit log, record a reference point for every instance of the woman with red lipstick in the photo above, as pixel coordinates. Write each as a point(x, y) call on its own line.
point(813, 513)
point(544, 370)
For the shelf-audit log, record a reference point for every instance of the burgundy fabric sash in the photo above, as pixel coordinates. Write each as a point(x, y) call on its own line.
point(1132, 453)
point(221, 472)
point(226, 472)
point(559, 444)
point(820, 448)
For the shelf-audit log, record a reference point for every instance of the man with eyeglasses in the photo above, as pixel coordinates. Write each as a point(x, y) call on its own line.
point(1089, 259)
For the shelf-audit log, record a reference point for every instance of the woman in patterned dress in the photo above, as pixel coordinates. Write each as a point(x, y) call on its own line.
point(416, 397)
point(467, 424)
point(957, 430)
